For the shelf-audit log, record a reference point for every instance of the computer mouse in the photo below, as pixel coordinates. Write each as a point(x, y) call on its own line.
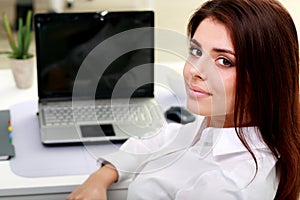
point(179, 114)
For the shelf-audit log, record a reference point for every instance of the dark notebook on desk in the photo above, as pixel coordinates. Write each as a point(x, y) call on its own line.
point(65, 46)
point(6, 147)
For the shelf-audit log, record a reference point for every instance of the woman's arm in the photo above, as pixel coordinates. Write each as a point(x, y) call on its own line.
point(135, 151)
point(96, 185)
point(124, 163)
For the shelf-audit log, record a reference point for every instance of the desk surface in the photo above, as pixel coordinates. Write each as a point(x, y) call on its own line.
point(169, 90)
point(9, 182)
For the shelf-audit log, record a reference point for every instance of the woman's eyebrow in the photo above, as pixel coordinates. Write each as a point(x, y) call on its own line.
point(223, 51)
point(195, 42)
point(218, 50)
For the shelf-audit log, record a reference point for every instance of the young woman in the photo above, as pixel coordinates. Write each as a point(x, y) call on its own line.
point(243, 76)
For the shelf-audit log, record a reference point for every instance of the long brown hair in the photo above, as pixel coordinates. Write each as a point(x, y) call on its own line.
point(267, 90)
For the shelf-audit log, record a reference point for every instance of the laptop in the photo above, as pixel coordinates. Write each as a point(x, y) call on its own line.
point(95, 75)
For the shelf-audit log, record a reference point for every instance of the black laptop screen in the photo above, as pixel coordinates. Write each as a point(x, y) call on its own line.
point(64, 40)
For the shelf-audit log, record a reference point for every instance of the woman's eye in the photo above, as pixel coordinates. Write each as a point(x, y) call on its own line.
point(195, 51)
point(225, 62)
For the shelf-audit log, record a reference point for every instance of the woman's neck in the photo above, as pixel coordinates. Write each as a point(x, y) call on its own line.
point(224, 121)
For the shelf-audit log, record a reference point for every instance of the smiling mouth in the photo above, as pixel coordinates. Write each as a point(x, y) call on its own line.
point(197, 92)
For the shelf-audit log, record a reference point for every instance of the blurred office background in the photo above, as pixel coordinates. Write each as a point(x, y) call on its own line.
point(169, 14)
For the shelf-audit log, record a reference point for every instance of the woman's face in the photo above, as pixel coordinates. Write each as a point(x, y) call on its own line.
point(210, 72)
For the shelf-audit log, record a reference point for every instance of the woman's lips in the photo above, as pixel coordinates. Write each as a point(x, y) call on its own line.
point(197, 92)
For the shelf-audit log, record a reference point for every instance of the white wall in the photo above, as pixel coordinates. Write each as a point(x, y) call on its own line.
point(293, 7)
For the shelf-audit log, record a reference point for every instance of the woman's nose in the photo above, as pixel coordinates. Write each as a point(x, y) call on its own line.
point(196, 71)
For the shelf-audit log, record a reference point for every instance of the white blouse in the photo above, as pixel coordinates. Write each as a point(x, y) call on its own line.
point(173, 165)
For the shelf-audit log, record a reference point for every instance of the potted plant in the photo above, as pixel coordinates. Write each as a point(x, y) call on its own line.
point(22, 62)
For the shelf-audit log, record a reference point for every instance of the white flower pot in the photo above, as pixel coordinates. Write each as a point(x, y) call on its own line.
point(23, 72)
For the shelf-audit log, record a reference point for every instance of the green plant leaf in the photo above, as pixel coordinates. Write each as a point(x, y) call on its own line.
point(27, 35)
point(5, 52)
point(24, 37)
point(9, 34)
point(20, 37)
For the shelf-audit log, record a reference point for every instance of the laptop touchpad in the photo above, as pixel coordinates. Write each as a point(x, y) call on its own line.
point(97, 130)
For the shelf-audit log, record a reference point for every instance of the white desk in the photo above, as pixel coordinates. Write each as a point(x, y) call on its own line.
point(57, 187)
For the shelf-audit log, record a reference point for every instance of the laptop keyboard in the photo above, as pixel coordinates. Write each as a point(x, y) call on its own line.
point(66, 115)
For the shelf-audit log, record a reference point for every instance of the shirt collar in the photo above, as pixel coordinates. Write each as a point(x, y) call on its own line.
point(225, 140)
